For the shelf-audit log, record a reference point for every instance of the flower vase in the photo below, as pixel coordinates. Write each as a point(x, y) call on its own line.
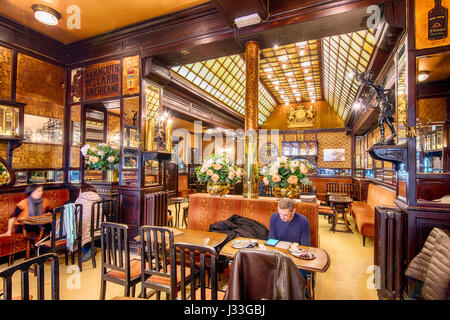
point(112, 175)
point(292, 192)
point(218, 188)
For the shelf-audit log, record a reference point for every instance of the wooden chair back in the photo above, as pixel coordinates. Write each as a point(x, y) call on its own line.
point(102, 211)
point(155, 258)
point(58, 221)
point(347, 188)
point(24, 269)
point(203, 260)
point(265, 191)
point(115, 249)
point(308, 189)
point(332, 187)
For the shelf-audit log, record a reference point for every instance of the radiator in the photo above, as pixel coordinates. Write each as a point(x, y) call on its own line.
point(155, 209)
point(389, 252)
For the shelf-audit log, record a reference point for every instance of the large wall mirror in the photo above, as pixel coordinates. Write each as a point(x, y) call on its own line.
point(432, 117)
point(432, 111)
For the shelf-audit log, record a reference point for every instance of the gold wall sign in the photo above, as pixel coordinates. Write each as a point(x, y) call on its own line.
point(131, 75)
point(301, 117)
point(102, 80)
point(75, 90)
point(431, 23)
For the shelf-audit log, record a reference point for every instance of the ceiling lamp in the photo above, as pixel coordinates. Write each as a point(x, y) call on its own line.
point(424, 75)
point(301, 44)
point(246, 21)
point(46, 15)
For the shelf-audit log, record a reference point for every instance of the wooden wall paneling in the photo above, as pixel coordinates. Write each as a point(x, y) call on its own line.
point(32, 43)
point(429, 188)
point(14, 75)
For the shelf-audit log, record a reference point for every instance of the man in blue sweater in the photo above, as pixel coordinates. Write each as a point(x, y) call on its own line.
point(288, 225)
point(291, 226)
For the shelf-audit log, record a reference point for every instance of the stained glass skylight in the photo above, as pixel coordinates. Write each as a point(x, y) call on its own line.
point(292, 72)
point(224, 79)
point(342, 55)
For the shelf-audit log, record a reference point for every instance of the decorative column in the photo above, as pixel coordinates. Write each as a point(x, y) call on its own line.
point(251, 175)
point(169, 135)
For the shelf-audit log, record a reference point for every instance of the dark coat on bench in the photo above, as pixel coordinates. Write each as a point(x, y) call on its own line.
point(237, 226)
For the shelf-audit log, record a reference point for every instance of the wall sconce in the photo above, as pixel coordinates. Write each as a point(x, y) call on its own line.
point(46, 15)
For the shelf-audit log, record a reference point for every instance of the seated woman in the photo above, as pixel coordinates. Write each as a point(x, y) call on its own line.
point(88, 195)
point(34, 205)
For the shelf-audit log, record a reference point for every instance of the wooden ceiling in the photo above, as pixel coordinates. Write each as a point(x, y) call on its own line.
point(438, 67)
point(97, 17)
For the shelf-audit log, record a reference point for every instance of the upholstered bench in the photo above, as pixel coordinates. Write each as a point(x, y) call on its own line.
point(8, 201)
point(205, 210)
point(364, 212)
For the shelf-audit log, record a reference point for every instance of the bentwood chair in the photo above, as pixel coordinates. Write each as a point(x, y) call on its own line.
point(24, 269)
point(58, 236)
point(101, 211)
point(197, 271)
point(156, 261)
point(117, 267)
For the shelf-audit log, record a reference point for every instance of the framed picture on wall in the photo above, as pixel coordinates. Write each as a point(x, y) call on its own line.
point(43, 130)
point(334, 155)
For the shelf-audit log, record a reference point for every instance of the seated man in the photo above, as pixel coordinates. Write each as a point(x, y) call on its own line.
point(288, 225)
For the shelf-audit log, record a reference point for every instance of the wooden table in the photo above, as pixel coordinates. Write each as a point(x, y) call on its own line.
point(340, 204)
point(196, 237)
point(39, 221)
point(319, 264)
point(177, 202)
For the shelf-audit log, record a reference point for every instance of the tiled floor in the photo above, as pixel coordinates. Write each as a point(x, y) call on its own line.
point(346, 278)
